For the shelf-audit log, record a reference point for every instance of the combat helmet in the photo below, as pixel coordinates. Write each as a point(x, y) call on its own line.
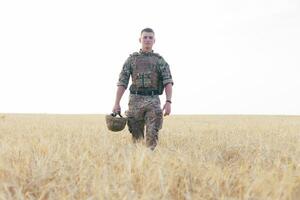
point(115, 123)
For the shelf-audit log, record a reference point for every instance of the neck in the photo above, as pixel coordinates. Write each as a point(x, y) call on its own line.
point(147, 49)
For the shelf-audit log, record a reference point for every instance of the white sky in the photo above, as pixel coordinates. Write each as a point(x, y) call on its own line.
point(226, 57)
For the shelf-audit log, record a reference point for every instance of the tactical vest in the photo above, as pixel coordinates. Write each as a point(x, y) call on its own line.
point(145, 73)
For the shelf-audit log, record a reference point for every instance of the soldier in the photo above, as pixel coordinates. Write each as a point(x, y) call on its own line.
point(150, 75)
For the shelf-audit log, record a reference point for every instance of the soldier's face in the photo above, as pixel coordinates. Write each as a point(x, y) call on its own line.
point(147, 40)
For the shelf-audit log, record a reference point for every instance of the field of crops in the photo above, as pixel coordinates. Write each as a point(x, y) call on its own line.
point(198, 157)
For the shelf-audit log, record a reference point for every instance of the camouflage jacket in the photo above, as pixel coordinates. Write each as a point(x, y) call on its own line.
point(148, 70)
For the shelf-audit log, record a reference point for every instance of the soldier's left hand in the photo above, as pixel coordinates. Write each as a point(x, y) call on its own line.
point(167, 109)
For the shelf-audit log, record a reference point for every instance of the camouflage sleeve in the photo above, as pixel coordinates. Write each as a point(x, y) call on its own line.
point(165, 72)
point(125, 74)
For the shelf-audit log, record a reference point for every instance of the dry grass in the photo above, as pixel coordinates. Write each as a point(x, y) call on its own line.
point(198, 157)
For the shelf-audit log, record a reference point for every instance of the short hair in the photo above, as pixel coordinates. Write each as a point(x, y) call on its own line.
point(148, 30)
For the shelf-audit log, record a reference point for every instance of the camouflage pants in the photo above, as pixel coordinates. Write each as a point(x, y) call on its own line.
point(144, 111)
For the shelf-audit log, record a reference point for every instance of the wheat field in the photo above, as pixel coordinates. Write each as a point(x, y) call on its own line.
point(198, 157)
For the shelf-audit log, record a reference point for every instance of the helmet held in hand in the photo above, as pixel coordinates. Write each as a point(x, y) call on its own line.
point(115, 123)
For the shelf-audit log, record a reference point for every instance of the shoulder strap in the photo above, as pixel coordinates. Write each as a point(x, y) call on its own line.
point(157, 55)
point(134, 54)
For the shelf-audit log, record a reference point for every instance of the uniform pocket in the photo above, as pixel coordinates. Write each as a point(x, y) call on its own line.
point(159, 118)
point(147, 80)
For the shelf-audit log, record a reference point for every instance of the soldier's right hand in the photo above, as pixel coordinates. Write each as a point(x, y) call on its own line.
point(116, 109)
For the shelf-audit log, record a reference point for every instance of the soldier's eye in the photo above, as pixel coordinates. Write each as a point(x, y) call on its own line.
point(150, 37)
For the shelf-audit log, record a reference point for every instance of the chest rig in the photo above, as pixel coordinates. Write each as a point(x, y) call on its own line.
point(145, 74)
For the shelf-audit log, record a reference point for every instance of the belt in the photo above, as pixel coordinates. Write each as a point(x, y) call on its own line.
point(146, 92)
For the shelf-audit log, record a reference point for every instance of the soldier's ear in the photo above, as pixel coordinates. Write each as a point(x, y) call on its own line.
point(140, 40)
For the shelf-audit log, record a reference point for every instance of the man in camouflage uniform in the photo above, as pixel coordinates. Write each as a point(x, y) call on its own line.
point(150, 75)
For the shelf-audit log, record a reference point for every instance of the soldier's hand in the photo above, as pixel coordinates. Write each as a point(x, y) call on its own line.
point(167, 109)
point(116, 109)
